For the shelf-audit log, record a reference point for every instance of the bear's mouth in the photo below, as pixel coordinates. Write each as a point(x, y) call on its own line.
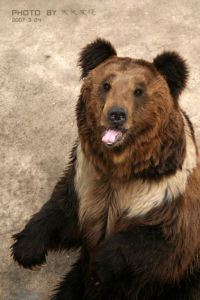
point(112, 136)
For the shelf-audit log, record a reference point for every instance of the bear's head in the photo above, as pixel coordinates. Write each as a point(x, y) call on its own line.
point(129, 120)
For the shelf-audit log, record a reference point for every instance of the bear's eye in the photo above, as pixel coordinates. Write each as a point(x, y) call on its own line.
point(138, 92)
point(106, 86)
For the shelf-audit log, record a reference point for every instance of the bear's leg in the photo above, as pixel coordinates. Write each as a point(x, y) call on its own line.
point(54, 227)
point(143, 255)
point(72, 287)
point(32, 243)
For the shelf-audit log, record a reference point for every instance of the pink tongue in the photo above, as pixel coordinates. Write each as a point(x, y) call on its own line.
point(111, 136)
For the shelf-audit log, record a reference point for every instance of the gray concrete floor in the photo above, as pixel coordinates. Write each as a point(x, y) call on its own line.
point(39, 82)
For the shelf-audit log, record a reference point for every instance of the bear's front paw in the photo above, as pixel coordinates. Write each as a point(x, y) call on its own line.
point(27, 252)
point(109, 265)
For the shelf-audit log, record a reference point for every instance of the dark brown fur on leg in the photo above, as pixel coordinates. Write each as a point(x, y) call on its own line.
point(54, 227)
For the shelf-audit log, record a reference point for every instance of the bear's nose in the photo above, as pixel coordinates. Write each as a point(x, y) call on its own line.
point(117, 115)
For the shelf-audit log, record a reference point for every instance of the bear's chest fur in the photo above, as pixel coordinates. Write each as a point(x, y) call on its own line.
point(102, 203)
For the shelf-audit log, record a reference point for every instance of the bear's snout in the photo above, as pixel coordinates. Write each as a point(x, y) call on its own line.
point(117, 115)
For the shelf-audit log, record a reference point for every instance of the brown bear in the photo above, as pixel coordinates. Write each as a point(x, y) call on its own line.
point(130, 196)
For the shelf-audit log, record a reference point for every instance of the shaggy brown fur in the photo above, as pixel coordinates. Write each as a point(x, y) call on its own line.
point(103, 200)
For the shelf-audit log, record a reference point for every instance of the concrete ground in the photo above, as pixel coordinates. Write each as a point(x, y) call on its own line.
point(39, 82)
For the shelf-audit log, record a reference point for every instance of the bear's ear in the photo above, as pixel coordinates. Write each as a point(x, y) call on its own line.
point(173, 67)
point(94, 54)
